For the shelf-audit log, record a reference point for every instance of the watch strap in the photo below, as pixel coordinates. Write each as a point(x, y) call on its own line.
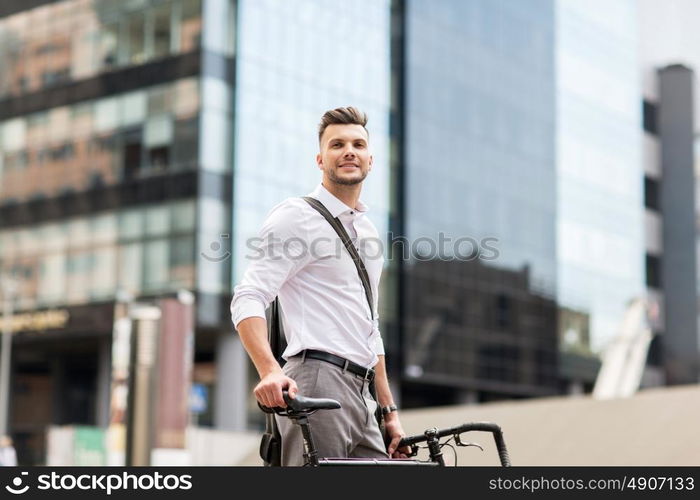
point(388, 409)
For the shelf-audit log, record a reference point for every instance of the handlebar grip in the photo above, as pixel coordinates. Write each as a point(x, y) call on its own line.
point(501, 447)
point(497, 437)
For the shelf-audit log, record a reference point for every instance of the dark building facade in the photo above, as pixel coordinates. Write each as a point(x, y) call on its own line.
point(478, 334)
point(671, 208)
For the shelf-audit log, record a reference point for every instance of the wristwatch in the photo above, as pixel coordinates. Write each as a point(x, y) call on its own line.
point(388, 409)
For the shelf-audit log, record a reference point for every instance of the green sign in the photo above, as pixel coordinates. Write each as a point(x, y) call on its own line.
point(89, 446)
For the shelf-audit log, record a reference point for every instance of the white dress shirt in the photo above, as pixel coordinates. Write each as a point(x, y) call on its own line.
point(301, 259)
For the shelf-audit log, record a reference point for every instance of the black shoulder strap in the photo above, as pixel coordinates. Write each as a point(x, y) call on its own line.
point(274, 332)
point(338, 226)
point(270, 444)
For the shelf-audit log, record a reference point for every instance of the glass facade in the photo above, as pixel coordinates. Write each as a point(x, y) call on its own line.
point(600, 177)
point(215, 149)
point(113, 177)
point(294, 62)
point(480, 117)
point(291, 68)
point(145, 250)
point(66, 41)
point(97, 143)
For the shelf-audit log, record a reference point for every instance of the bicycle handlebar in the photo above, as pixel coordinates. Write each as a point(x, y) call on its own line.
point(454, 431)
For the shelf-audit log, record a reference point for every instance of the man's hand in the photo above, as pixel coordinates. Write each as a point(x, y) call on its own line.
point(269, 390)
point(395, 432)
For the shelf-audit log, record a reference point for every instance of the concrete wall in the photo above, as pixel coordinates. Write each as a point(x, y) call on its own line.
point(654, 427)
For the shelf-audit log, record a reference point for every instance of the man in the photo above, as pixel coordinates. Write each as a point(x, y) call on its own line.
point(334, 344)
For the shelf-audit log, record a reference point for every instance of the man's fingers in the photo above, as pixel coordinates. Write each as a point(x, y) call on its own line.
point(277, 396)
point(269, 391)
point(270, 396)
point(260, 396)
point(293, 389)
point(394, 443)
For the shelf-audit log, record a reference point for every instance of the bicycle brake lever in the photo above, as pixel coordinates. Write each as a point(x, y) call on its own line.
point(459, 442)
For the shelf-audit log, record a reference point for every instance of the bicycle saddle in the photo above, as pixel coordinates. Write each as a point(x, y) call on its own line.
point(301, 404)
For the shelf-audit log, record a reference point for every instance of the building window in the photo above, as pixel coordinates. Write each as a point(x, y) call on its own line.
point(161, 31)
point(651, 193)
point(503, 311)
point(650, 117)
point(191, 25)
point(182, 259)
point(108, 45)
point(136, 41)
point(156, 259)
point(653, 271)
point(45, 47)
point(133, 151)
point(185, 144)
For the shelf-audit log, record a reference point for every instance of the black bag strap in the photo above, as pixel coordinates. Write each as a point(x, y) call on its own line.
point(270, 444)
point(338, 226)
point(274, 332)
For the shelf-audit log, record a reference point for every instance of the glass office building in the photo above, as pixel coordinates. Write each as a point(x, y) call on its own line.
point(295, 60)
point(480, 166)
point(115, 178)
point(600, 207)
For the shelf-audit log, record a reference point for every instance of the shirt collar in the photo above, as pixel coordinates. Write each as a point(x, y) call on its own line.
point(333, 204)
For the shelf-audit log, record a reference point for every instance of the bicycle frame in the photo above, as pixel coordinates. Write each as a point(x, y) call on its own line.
point(300, 416)
point(311, 454)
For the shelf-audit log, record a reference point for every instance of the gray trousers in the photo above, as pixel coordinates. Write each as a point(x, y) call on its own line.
point(350, 431)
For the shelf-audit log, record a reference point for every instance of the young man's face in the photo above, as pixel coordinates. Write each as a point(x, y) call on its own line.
point(344, 157)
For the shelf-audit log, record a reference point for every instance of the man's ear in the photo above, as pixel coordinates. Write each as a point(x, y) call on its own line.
point(319, 161)
point(371, 162)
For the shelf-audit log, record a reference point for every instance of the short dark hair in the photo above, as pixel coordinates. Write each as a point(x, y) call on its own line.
point(342, 116)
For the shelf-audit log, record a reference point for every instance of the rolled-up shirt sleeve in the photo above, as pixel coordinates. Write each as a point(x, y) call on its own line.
point(273, 257)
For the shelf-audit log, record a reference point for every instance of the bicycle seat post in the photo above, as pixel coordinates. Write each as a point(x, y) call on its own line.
point(310, 453)
point(433, 443)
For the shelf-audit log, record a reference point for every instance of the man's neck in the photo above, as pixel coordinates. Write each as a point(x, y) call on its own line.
point(347, 194)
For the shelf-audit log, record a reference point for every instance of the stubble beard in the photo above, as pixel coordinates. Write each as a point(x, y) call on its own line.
point(344, 181)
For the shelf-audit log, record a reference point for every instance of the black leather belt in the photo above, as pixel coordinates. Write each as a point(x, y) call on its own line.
point(345, 364)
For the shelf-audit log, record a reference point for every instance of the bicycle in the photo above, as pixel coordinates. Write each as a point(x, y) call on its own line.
point(300, 408)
